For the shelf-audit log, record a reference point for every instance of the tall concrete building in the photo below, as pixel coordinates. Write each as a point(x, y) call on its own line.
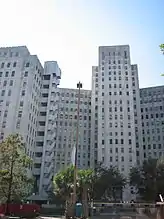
point(67, 126)
point(28, 106)
point(152, 117)
point(114, 94)
point(20, 91)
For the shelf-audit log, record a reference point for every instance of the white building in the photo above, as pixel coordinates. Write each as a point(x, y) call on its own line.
point(20, 90)
point(113, 123)
point(28, 106)
point(67, 125)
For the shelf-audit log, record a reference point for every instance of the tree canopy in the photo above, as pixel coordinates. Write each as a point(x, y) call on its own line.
point(15, 184)
point(148, 179)
point(162, 48)
point(109, 184)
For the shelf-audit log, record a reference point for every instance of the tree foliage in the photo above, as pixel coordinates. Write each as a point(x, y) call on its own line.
point(63, 187)
point(14, 163)
point(109, 184)
point(148, 179)
point(162, 48)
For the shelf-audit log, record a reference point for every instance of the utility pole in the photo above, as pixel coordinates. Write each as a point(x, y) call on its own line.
point(79, 86)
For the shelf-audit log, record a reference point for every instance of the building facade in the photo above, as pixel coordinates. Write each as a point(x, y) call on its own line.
point(113, 101)
point(28, 106)
point(152, 118)
point(67, 126)
point(20, 91)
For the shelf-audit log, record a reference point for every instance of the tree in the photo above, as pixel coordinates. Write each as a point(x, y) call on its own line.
point(148, 179)
point(14, 163)
point(162, 48)
point(85, 180)
point(63, 186)
point(109, 183)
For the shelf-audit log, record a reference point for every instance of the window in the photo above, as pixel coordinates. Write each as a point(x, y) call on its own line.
point(42, 113)
point(6, 74)
point(2, 65)
point(13, 74)
point(43, 104)
point(122, 141)
point(26, 74)
point(3, 93)
point(21, 103)
point(24, 84)
point(42, 123)
point(4, 83)
point(9, 93)
point(46, 86)
point(27, 64)
point(19, 114)
point(0, 74)
point(40, 133)
point(11, 83)
point(8, 65)
point(23, 93)
point(14, 64)
point(45, 95)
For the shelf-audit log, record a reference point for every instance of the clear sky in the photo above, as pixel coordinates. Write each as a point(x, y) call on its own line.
point(70, 31)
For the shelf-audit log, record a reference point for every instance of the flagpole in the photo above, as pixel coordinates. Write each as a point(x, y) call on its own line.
point(79, 85)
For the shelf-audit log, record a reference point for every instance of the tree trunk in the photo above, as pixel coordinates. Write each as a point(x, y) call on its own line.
point(85, 202)
point(69, 210)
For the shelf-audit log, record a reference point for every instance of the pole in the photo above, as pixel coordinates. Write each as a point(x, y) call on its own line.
point(79, 85)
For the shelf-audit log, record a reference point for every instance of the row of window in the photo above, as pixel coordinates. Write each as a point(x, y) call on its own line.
point(116, 54)
point(14, 64)
point(7, 74)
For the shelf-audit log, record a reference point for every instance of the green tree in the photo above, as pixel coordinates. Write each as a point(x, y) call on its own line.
point(85, 180)
point(148, 179)
point(14, 163)
point(63, 186)
point(162, 48)
point(109, 183)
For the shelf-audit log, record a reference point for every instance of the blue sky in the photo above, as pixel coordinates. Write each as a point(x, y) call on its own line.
point(70, 32)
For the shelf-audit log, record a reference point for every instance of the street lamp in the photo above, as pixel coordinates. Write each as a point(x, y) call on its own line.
point(79, 86)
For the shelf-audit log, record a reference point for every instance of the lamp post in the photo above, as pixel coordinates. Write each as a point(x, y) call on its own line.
point(79, 86)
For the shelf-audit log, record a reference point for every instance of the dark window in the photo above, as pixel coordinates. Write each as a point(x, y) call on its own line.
point(42, 113)
point(26, 74)
point(23, 92)
point(9, 93)
point(43, 103)
point(6, 74)
point(13, 73)
point(46, 86)
point(45, 95)
point(42, 123)
point(11, 83)
point(8, 65)
point(2, 65)
point(14, 64)
point(27, 64)
point(40, 133)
